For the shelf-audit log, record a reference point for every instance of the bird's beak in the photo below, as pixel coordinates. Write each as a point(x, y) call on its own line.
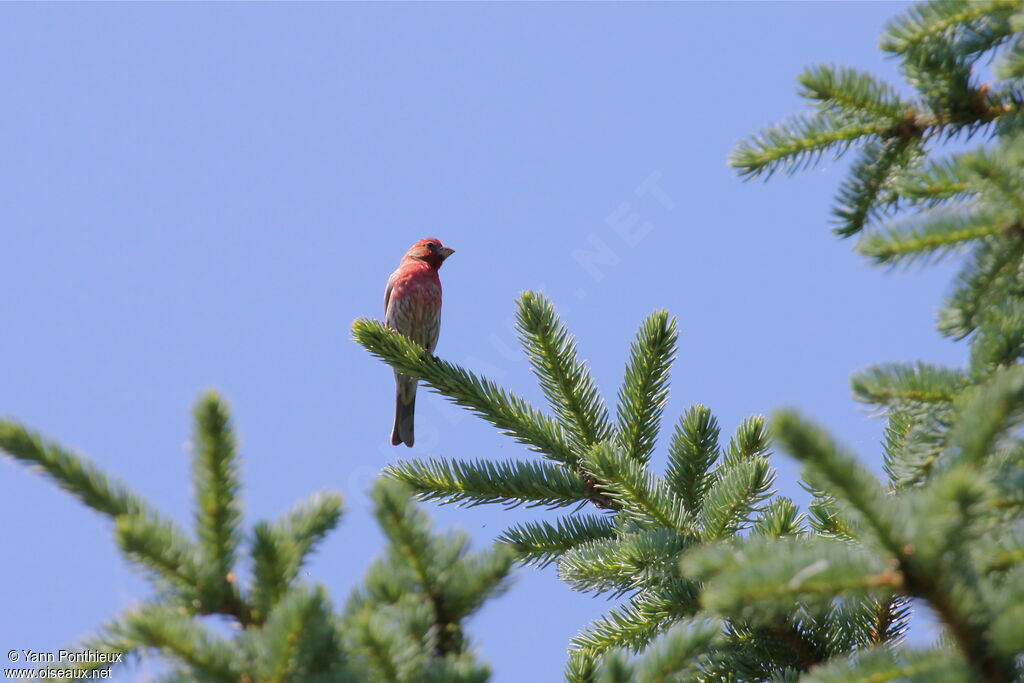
point(445, 252)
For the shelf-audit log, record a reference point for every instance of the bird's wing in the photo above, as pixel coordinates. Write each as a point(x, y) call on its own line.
point(387, 294)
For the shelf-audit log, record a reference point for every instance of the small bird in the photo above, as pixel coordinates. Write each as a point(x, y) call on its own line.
point(412, 306)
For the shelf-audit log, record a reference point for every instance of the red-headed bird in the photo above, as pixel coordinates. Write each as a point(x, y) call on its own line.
point(412, 306)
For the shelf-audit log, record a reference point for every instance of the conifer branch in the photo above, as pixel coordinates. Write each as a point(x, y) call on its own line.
point(564, 379)
point(868, 189)
point(541, 543)
point(300, 641)
point(215, 478)
point(640, 494)
point(995, 408)
point(779, 517)
point(762, 575)
point(752, 440)
point(160, 547)
point(982, 283)
point(623, 563)
point(207, 656)
point(479, 482)
point(73, 473)
point(895, 385)
point(735, 495)
point(509, 413)
point(692, 453)
point(644, 390)
point(928, 237)
point(832, 468)
point(279, 550)
point(635, 623)
point(883, 664)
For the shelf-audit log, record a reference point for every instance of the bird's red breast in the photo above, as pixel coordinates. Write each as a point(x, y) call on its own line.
point(412, 301)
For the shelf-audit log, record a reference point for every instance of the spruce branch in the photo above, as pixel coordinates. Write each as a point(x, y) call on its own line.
point(779, 517)
point(851, 91)
point(509, 413)
point(985, 280)
point(73, 473)
point(737, 492)
point(868, 190)
point(925, 24)
point(884, 664)
point(798, 143)
point(624, 563)
point(928, 236)
point(300, 641)
point(762, 575)
point(479, 482)
point(681, 654)
point(752, 440)
point(644, 391)
point(991, 411)
point(158, 546)
point(215, 479)
point(899, 385)
point(692, 453)
point(280, 549)
point(541, 543)
point(829, 467)
point(563, 377)
point(635, 623)
point(640, 494)
point(207, 655)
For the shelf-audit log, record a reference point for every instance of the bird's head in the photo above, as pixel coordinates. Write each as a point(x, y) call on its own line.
point(431, 251)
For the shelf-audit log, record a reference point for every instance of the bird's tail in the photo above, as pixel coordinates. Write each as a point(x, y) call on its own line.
point(405, 410)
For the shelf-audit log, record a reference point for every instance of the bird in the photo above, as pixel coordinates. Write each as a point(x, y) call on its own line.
point(412, 307)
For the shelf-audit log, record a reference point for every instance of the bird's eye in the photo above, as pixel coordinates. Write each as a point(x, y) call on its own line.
point(432, 246)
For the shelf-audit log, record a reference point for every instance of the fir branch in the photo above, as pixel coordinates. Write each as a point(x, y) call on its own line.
point(833, 469)
point(762, 575)
point(692, 453)
point(73, 473)
point(752, 440)
point(279, 550)
point(991, 412)
point(798, 143)
point(641, 495)
point(924, 23)
point(935, 181)
point(300, 641)
point(509, 413)
point(541, 543)
point(851, 91)
point(780, 517)
point(928, 236)
point(158, 546)
point(388, 653)
point(681, 653)
point(735, 495)
point(1000, 339)
point(215, 479)
point(985, 280)
point(474, 579)
point(897, 385)
point(564, 379)
point(478, 482)
point(868, 189)
point(882, 664)
point(635, 623)
point(641, 559)
point(644, 390)
point(207, 656)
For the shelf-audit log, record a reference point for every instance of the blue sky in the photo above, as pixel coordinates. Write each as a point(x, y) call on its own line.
point(196, 195)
